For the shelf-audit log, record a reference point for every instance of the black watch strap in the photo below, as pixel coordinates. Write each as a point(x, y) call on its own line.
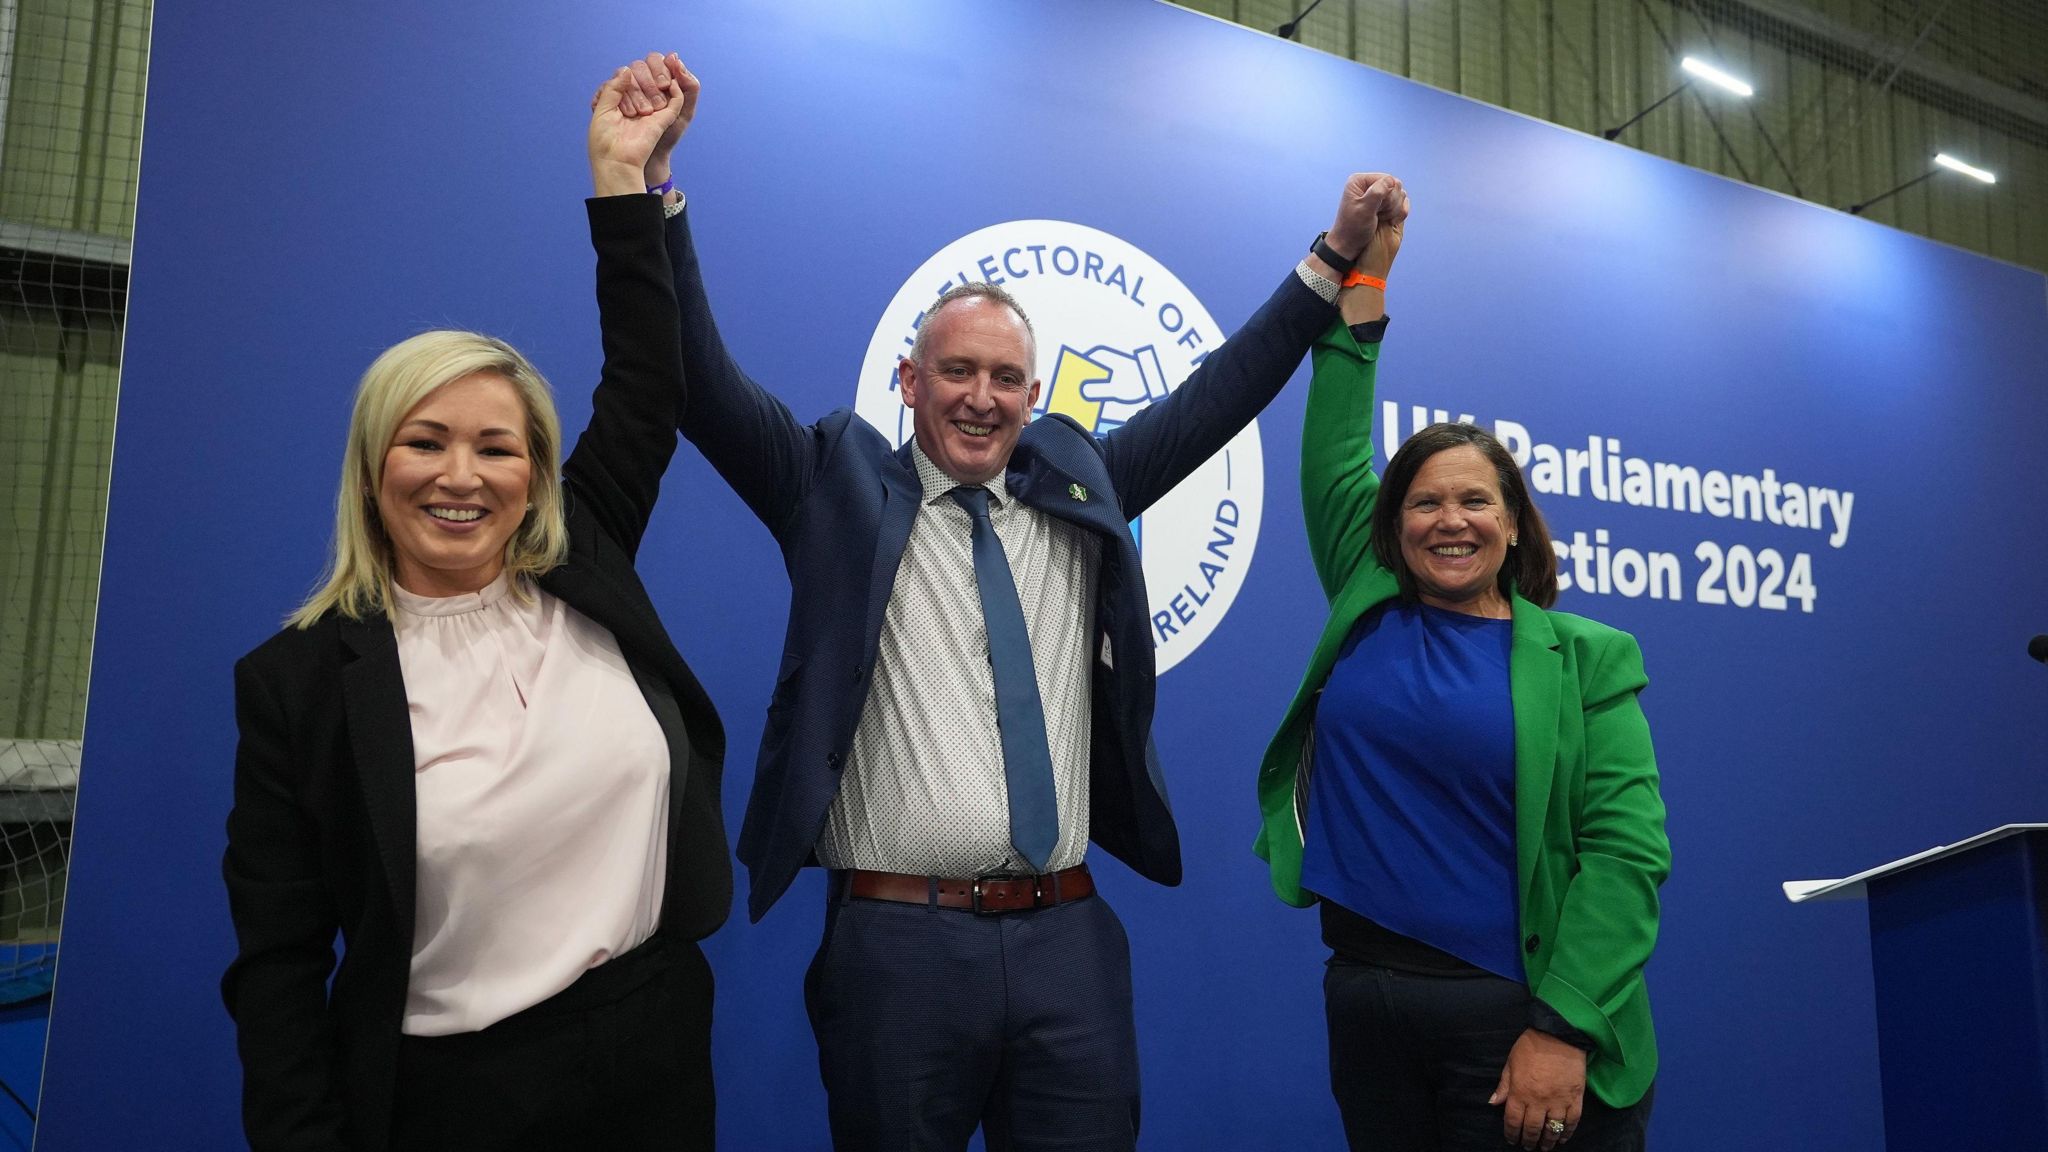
point(1321, 248)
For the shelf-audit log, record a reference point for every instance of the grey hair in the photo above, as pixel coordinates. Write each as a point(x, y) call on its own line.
point(973, 290)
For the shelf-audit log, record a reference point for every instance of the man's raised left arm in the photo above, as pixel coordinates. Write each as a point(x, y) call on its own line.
point(1165, 442)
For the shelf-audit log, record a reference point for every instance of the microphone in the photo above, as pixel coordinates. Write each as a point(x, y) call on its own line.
point(1286, 31)
point(2038, 648)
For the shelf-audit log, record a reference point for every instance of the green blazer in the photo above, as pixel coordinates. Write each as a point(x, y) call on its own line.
point(1589, 822)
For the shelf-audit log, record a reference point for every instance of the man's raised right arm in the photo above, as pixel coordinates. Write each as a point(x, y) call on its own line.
point(747, 434)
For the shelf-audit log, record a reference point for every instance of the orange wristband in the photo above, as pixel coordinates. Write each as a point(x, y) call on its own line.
point(1358, 278)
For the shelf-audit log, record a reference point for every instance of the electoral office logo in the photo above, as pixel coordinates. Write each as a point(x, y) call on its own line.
point(1116, 332)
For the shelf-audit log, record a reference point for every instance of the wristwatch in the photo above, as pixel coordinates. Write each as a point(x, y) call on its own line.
point(1321, 248)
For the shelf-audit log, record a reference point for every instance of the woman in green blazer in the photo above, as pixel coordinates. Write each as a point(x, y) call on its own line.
point(1498, 859)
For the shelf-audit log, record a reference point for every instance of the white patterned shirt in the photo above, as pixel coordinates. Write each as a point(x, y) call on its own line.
point(924, 791)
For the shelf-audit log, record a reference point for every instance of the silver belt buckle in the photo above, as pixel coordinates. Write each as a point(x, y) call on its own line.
point(974, 894)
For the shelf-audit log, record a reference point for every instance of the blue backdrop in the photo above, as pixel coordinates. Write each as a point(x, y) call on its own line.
point(322, 180)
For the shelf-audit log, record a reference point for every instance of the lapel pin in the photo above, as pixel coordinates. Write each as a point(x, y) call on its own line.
point(1077, 492)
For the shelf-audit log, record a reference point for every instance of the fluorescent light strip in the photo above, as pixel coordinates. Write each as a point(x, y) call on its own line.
point(1950, 162)
point(1710, 73)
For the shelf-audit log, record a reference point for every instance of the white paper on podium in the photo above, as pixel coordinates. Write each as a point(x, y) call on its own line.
point(1851, 887)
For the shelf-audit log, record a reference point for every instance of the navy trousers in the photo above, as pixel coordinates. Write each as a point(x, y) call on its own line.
point(1413, 1059)
point(934, 1021)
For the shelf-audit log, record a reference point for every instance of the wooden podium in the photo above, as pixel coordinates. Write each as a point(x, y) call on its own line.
point(1959, 949)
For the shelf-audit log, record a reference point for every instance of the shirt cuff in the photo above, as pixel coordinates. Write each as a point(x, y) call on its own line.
point(1545, 1019)
point(1317, 283)
point(1372, 331)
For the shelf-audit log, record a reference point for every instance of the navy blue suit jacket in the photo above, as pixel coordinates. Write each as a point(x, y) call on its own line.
point(840, 500)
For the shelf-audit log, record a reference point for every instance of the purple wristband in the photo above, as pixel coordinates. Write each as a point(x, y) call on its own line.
point(664, 188)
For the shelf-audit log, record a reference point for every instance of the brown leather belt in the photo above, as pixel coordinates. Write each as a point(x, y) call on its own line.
point(983, 894)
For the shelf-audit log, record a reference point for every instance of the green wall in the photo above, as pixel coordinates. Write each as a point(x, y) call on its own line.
point(73, 131)
point(1824, 124)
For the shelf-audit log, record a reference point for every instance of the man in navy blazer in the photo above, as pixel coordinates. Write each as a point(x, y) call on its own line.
point(881, 751)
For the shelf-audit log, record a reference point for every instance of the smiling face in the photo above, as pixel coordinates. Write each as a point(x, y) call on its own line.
point(1454, 533)
point(454, 485)
point(972, 390)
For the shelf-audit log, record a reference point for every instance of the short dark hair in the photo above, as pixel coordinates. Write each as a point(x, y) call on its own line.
point(973, 290)
point(1531, 565)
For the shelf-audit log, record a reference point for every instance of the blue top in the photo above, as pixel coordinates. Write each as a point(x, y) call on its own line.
point(1411, 813)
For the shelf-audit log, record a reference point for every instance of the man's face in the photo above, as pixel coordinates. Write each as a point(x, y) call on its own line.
point(973, 392)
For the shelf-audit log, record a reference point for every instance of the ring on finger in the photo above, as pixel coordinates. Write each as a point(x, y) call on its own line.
point(1554, 1126)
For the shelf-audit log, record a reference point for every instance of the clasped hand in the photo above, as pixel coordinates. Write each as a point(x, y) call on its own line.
point(1543, 1080)
point(636, 117)
point(1370, 218)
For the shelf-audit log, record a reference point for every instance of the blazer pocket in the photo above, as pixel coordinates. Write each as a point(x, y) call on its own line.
point(785, 684)
point(781, 707)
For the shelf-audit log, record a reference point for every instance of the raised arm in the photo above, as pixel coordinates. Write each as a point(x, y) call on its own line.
point(746, 433)
point(1159, 447)
point(616, 467)
point(1339, 489)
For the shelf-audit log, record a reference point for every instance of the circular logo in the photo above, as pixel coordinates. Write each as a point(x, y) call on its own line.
point(1117, 332)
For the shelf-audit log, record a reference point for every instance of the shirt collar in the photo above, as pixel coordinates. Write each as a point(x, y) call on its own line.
point(936, 483)
point(413, 604)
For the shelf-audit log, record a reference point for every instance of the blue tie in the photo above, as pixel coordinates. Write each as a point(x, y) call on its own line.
point(1020, 716)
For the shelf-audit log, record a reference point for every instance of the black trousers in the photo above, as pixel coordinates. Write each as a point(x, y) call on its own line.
point(1414, 1058)
point(933, 1021)
point(620, 1060)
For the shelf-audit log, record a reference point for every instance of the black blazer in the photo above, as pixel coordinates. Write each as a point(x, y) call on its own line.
point(321, 838)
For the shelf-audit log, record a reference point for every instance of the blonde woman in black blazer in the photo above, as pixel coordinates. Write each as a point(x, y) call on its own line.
point(322, 838)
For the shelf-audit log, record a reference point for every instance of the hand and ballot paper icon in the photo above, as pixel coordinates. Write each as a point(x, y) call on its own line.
point(1102, 388)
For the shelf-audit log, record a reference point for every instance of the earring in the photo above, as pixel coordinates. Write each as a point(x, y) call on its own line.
point(1514, 540)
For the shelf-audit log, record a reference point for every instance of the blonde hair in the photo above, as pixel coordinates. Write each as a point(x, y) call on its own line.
point(358, 580)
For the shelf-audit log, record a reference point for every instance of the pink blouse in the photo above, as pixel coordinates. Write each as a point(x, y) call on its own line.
point(542, 785)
